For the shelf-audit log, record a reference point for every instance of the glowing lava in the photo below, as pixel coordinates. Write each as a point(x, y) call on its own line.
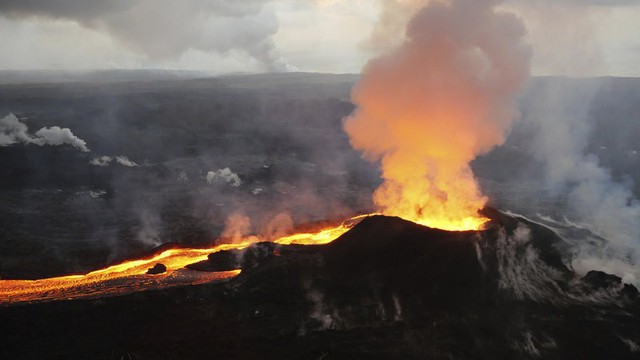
point(130, 276)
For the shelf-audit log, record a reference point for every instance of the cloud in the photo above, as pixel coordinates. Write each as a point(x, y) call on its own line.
point(12, 131)
point(165, 29)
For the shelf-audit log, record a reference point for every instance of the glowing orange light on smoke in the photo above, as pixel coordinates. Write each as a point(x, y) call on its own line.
point(428, 107)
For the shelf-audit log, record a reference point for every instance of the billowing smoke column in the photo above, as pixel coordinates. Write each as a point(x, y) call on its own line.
point(441, 98)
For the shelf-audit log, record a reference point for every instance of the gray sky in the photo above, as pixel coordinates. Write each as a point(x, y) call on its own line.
point(569, 37)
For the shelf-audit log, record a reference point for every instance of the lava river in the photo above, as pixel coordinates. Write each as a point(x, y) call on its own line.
point(131, 276)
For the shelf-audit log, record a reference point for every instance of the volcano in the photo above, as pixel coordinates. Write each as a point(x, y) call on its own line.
point(387, 288)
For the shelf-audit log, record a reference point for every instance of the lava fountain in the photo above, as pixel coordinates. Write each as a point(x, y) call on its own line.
point(436, 102)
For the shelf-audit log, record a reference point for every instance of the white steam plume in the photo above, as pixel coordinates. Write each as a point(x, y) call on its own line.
point(124, 161)
point(237, 228)
point(562, 128)
point(12, 131)
point(226, 175)
point(101, 161)
point(106, 160)
point(59, 136)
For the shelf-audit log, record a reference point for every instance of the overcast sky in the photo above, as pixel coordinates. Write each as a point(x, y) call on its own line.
point(569, 37)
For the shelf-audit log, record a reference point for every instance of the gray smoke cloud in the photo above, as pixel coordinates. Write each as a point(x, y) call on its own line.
point(13, 131)
point(165, 29)
point(562, 128)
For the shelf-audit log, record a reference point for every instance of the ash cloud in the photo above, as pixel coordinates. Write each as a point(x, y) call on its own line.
point(165, 29)
point(13, 131)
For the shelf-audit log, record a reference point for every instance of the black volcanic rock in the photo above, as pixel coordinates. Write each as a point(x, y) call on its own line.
point(630, 291)
point(219, 261)
point(236, 259)
point(430, 266)
point(598, 280)
point(388, 288)
point(158, 268)
point(258, 253)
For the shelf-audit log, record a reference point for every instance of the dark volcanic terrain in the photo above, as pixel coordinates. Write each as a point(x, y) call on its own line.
point(387, 288)
point(280, 133)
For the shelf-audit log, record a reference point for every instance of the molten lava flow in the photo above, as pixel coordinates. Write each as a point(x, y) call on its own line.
point(323, 236)
point(436, 102)
point(130, 276)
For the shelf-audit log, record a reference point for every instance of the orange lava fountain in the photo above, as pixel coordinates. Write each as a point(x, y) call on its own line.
point(131, 276)
point(430, 106)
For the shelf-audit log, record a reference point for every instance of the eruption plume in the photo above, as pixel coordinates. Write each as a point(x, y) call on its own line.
point(431, 106)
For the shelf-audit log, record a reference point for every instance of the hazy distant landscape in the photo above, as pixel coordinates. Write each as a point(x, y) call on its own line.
point(280, 134)
point(320, 179)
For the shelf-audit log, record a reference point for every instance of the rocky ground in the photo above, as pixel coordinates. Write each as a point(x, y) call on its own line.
point(388, 288)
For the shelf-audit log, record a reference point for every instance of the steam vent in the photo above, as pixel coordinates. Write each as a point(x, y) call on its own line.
point(387, 288)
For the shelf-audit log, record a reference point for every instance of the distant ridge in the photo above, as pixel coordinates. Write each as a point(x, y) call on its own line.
point(21, 77)
point(30, 77)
